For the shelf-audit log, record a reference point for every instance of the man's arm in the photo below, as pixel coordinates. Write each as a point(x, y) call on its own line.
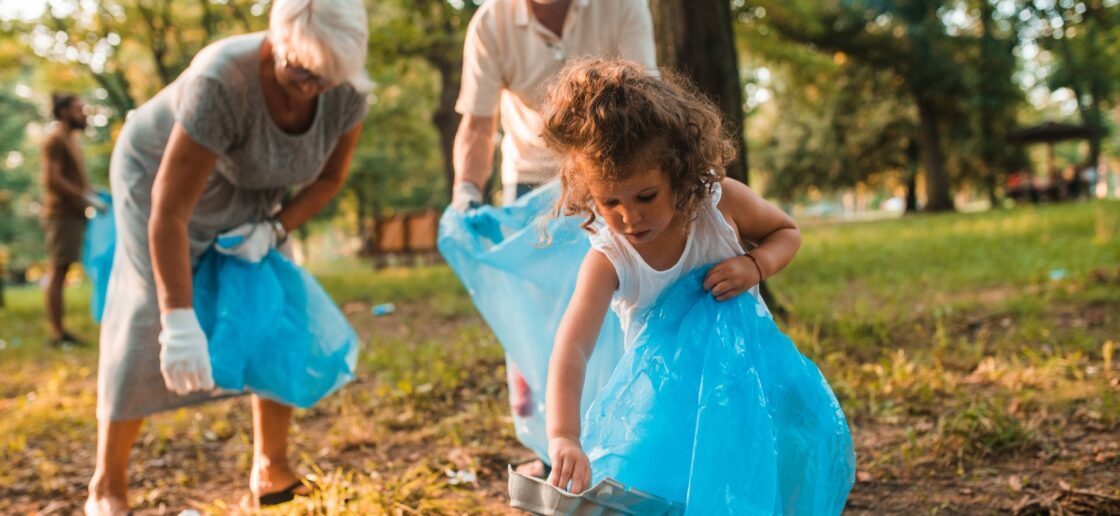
point(474, 149)
point(480, 90)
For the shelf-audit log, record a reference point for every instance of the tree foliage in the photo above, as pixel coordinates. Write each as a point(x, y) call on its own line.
point(1084, 39)
point(952, 67)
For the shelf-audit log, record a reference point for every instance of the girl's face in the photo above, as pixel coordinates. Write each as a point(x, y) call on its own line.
point(641, 207)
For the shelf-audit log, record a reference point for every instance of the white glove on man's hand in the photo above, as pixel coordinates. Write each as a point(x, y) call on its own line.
point(250, 241)
point(184, 358)
point(465, 196)
point(95, 201)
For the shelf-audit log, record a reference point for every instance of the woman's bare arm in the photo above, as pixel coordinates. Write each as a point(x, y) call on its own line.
point(182, 175)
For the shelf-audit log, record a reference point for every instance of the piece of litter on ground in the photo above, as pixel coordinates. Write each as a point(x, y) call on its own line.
point(459, 477)
point(189, 512)
point(383, 309)
point(1058, 274)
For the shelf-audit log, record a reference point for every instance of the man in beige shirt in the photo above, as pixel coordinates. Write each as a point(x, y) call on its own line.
point(513, 51)
point(66, 196)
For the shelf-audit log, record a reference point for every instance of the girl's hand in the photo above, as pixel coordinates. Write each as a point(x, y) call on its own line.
point(569, 464)
point(732, 277)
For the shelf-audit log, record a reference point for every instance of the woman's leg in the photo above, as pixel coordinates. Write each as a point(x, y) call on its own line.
point(108, 489)
point(271, 470)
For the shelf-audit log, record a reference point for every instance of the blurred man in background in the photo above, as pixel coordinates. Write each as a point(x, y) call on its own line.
point(66, 196)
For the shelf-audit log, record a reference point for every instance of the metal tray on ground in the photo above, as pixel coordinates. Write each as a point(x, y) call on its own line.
point(607, 498)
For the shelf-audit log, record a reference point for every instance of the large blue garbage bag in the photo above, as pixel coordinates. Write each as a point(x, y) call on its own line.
point(272, 329)
point(97, 254)
point(714, 407)
point(521, 283)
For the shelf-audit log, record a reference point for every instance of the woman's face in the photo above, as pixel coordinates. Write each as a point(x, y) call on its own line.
point(299, 82)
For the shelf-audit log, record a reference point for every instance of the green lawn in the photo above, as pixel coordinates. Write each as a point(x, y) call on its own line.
point(965, 349)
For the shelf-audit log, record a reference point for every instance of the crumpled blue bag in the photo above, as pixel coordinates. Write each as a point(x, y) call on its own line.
point(98, 246)
point(521, 283)
point(272, 329)
point(714, 407)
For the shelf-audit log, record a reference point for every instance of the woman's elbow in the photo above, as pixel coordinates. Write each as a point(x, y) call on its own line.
point(163, 222)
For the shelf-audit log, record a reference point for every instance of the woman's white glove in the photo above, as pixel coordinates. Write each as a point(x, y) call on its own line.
point(250, 241)
point(465, 196)
point(184, 358)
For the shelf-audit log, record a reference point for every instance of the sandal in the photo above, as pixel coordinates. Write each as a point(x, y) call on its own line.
point(282, 496)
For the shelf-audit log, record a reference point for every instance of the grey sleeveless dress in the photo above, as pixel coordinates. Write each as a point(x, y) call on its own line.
point(219, 103)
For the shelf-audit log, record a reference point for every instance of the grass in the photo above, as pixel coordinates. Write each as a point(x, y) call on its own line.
point(962, 343)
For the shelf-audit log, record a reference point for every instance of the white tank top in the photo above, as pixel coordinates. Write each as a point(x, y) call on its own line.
point(711, 239)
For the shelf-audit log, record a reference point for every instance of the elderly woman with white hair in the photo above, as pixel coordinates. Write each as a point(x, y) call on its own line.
point(251, 119)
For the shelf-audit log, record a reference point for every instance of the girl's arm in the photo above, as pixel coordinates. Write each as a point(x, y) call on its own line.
point(761, 223)
point(575, 340)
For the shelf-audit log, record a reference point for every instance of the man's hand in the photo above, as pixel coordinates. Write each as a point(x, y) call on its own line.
point(465, 196)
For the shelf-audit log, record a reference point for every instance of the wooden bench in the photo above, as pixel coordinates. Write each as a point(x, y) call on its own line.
point(406, 238)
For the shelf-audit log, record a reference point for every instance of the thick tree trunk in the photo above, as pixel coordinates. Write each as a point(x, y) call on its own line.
point(697, 39)
point(938, 195)
point(445, 118)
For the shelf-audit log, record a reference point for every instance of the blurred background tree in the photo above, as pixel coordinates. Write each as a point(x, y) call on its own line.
point(892, 98)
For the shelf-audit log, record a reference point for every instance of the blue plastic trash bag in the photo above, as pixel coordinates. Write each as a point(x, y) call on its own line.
point(272, 329)
point(97, 254)
point(521, 285)
point(714, 407)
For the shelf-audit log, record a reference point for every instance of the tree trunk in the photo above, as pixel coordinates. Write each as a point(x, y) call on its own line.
point(697, 39)
point(938, 196)
point(991, 185)
point(445, 118)
point(912, 157)
point(912, 189)
point(989, 136)
point(1092, 118)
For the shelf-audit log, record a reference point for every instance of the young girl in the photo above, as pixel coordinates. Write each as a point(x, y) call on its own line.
point(711, 406)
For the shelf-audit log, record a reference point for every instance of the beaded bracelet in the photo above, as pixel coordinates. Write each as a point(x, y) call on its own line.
point(761, 276)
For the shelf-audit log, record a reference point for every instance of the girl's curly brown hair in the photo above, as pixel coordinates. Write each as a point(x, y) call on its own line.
point(608, 118)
